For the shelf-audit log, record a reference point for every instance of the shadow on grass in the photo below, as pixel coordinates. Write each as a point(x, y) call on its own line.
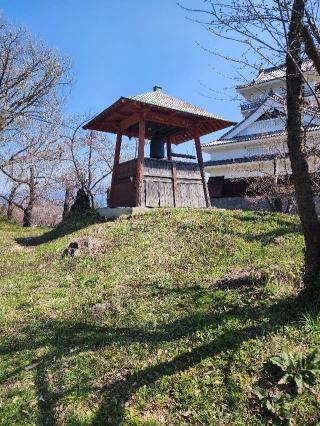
point(284, 227)
point(64, 228)
point(67, 339)
point(119, 392)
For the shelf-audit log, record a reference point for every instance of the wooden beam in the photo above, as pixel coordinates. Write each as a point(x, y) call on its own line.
point(116, 162)
point(169, 150)
point(162, 118)
point(129, 121)
point(140, 162)
point(187, 156)
point(200, 162)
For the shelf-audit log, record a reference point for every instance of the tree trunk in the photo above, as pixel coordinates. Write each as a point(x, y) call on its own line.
point(10, 202)
point(27, 211)
point(297, 152)
point(277, 201)
point(10, 208)
point(67, 201)
point(91, 197)
point(278, 207)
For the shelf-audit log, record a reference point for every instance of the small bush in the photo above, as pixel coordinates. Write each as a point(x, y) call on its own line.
point(276, 406)
point(299, 370)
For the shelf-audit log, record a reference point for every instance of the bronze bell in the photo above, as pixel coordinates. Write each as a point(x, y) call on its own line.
point(157, 147)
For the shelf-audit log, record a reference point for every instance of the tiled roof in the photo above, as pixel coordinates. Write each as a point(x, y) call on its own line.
point(310, 110)
point(256, 136)
point(240, 160)
point(158, 107)
point(275, 73)
point(160, 99)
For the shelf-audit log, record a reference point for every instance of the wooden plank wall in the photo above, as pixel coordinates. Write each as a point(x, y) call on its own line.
point(124, 185)
point(158, 186)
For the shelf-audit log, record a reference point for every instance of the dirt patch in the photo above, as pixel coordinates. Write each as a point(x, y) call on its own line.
point(237, 279)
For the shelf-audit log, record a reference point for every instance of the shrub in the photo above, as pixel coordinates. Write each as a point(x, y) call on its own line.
point(299, 370)
point(276, 406)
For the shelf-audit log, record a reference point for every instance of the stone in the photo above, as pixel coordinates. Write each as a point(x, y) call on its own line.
point(100, 307)
point(83, 246)
point(277, 240)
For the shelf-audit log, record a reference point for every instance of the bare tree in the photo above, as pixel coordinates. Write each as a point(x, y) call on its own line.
point(31, 170)
point(275, 32)
point(296, 143)
point(89, 156)
point(31, 76)
point(277, 188)
point(32, 82)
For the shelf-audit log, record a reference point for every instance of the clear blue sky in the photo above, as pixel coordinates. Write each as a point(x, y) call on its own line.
point(125, 47)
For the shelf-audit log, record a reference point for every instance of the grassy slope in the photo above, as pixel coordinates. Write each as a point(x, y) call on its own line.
point(168, 345)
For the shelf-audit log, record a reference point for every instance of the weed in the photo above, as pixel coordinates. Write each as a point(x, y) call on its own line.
point(276, 406)
point(299, 369)
point(311, 323)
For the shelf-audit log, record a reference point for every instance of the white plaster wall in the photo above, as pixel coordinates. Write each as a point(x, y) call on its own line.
point(258, 168)
point(264, 126)
point(248, 149)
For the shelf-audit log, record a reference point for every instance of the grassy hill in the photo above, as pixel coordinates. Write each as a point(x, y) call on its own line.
point(172, 321)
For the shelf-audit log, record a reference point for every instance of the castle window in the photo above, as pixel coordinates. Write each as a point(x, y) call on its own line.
point(273, 113)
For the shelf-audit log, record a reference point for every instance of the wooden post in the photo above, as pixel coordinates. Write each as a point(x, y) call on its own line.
point(200, 162)
point(174, 183)
point(116, 162)
point(140, 162)
point(169, 150)
point(173, 173)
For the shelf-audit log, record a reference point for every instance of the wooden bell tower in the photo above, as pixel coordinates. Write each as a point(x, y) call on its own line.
point(157, 182)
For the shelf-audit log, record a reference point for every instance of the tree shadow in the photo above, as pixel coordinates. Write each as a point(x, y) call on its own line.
point(64, 228)
point(46, 399)
point(67, 339)
point(260, 217)
point(285, 226)
point(119, 392)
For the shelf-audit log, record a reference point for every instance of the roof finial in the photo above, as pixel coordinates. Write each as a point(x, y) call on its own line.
point(157, 88)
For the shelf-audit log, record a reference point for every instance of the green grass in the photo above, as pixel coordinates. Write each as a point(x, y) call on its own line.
point(146, 332)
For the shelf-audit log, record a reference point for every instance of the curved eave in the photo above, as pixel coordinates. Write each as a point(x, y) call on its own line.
point(110, 119)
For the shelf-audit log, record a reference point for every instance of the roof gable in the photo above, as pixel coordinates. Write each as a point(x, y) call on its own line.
point(269, 103)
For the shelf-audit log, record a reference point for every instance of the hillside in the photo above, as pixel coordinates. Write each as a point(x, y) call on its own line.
point(169, 321)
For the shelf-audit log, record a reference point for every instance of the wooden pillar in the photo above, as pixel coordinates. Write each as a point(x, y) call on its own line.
point(173, 173)
point(116, 162)
point(140, 163)
point(200, 162)
point(169, 150)
point(174, 184)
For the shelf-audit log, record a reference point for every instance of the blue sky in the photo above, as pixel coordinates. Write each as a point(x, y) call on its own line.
point(125, 47)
